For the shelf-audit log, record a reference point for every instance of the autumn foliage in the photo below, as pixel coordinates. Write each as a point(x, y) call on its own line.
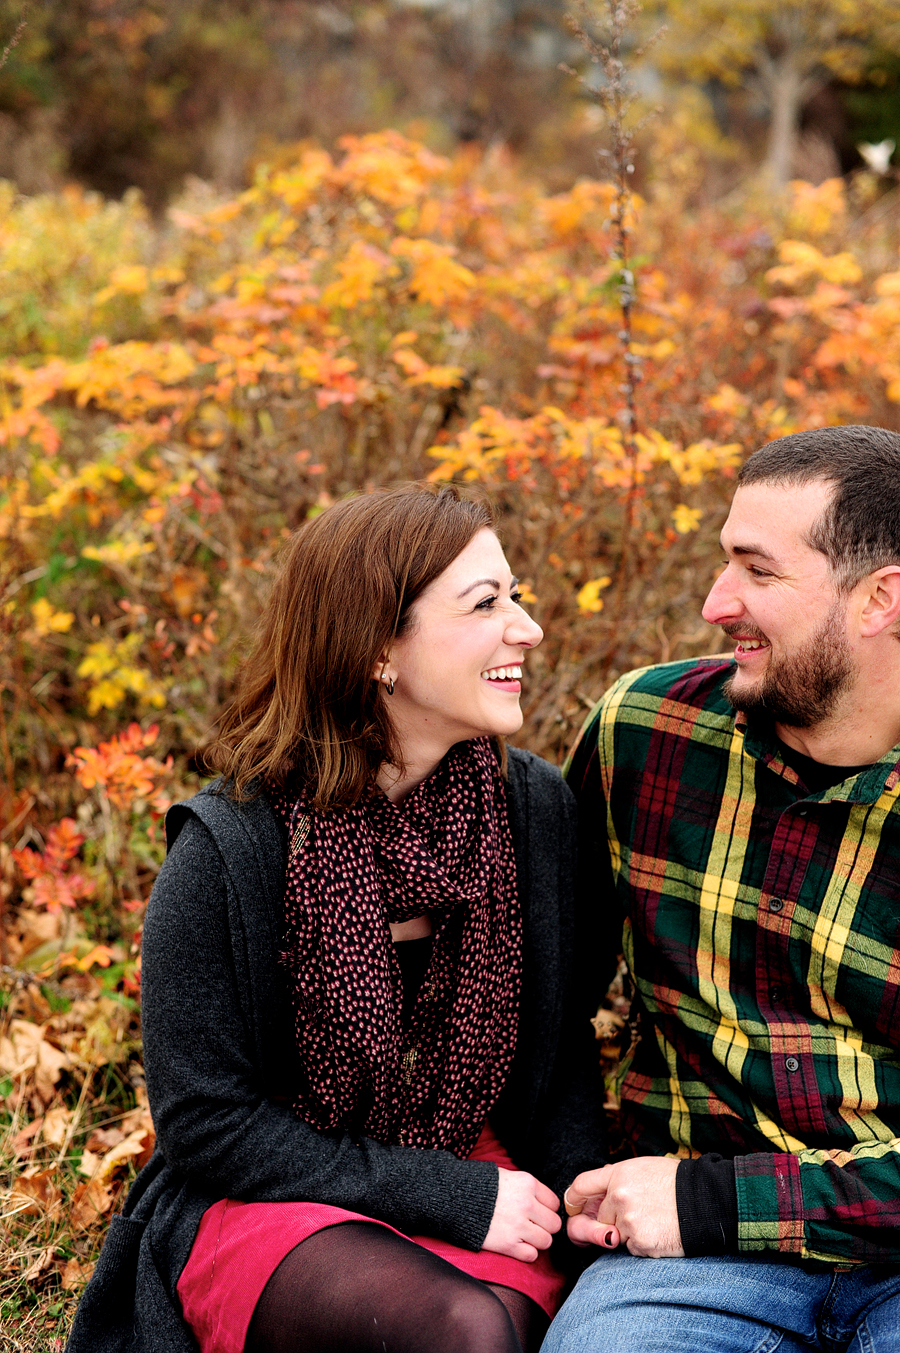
point(175, 399)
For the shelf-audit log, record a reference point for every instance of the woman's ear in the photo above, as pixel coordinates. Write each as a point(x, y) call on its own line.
point(384, 671)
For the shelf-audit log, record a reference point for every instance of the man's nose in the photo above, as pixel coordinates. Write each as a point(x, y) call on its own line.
point(722, 603)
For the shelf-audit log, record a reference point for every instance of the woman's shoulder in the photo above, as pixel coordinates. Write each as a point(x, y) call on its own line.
point(230, 821)
point(531, 774)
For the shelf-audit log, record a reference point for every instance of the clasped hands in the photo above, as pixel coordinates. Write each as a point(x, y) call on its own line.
point(631, 1203)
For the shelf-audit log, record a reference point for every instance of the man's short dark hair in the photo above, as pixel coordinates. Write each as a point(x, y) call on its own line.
point(859, 530)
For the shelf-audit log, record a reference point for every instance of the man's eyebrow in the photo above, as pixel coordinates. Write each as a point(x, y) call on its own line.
point(486, 582)
point(749, 549)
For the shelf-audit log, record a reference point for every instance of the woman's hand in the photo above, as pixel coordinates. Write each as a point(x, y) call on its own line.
point(525, 1217)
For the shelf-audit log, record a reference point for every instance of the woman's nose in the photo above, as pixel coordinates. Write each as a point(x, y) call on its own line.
point(527, 632)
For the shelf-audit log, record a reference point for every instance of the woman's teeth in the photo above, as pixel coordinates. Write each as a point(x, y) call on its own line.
point(502, 674)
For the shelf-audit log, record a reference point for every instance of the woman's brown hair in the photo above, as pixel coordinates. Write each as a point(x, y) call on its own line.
point(308, 711)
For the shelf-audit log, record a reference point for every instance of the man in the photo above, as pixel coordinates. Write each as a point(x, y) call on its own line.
point(749, 808)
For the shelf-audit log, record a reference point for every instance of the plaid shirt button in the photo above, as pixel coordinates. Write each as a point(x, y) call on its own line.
point(775, 904)
point(792, 1063)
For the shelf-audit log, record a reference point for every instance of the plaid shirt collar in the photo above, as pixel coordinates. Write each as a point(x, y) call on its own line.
point(866, 786)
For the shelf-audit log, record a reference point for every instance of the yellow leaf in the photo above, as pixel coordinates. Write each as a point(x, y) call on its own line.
point(686, 518)
point(49, 621)
point(589, 599)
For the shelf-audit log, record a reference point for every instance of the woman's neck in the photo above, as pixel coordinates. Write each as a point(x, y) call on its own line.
point(399, 785)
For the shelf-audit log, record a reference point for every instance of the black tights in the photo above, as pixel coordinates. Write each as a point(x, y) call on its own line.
point(359, 1288)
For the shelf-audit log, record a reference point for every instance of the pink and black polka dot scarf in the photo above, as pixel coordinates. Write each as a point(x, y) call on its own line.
point(446, 850)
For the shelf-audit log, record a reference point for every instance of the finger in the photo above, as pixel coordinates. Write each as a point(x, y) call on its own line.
point(522, 1250)
point(546, 1196)
point(538, 1236)
point(583, 1231)
point(544, 1217)
point(589, 1184)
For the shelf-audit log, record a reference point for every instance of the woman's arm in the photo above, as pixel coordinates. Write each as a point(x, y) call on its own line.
point(213, 1118)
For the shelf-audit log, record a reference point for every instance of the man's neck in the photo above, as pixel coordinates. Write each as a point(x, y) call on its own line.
point(851, 738)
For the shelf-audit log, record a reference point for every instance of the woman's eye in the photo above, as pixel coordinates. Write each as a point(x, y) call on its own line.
point(516, 597)
point(486, 605)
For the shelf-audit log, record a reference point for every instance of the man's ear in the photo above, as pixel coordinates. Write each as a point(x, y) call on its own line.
point(881, 602)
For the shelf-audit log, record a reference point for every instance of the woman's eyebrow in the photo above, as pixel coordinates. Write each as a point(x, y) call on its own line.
point(487, 582)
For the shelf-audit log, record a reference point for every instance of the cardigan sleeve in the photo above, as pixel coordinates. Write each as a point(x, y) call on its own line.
point(214, 1122)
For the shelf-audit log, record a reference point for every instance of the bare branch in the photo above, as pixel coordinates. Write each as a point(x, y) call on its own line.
point(14, 40)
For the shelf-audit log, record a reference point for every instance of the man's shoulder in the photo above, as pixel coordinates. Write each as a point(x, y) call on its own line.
point(686, 697)
point(696, 683)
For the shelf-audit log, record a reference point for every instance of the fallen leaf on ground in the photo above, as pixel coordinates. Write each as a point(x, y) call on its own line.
point(75, 1274)
point(40, 1264)
point(138, 1144)
point(38, 1191)
point(104, 1139)
point(26, 1049)
point(22, 1142)
point(56, 1125)
point(89, 1203)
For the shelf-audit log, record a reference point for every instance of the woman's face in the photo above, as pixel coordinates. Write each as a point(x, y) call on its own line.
point(457, 670)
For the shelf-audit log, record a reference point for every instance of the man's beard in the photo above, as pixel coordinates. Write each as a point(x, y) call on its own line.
point(803, 688)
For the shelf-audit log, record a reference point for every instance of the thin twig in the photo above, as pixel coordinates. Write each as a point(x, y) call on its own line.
point(615, 95)
point(14, 40)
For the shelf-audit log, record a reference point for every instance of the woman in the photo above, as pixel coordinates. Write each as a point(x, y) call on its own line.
point(355, 970)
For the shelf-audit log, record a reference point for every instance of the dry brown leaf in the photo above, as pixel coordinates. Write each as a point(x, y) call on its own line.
point(607, 1024)
point(36, 928)
point(56, 1125)
point(27, 1049)
point(40, 1264)
point(89, 1203)
point(138, 1144)
point(89, 1164)
point(75, 1274)
point(22, 1142)
point(35, 1193)
point(103, 1139)
point(33, 1005)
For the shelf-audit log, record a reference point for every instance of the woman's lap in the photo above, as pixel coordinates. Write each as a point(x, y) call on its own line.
point(239, 1246)
point(361, 1288)
point(624, 1304)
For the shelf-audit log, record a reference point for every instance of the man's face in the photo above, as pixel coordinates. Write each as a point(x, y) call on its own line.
point(776, 599)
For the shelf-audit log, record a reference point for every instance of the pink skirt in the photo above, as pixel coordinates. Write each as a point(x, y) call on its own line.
point(240, 1245)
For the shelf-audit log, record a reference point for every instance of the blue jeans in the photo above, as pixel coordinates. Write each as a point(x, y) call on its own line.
point(730, 1305)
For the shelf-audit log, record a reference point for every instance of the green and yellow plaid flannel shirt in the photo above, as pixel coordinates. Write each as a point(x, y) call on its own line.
point(762, 933)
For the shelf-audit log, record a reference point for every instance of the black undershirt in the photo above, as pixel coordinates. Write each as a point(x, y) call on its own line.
point(413, 957)
point(705, 1189)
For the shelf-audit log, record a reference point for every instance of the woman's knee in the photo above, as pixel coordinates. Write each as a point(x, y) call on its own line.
point(471, 1319)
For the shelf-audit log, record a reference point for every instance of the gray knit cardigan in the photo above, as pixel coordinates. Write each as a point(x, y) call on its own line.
point(218, 1057)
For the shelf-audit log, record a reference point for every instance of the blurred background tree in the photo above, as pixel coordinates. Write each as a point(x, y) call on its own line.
point(784, 51)
point(142, 93)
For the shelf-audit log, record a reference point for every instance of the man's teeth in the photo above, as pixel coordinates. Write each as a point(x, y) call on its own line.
point(748, 644)
point(502, 674)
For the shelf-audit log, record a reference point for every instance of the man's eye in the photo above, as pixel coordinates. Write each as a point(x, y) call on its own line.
point(759, 572)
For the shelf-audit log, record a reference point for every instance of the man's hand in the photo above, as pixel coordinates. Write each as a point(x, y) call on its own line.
point(526, 1216)
point(630, 1203)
